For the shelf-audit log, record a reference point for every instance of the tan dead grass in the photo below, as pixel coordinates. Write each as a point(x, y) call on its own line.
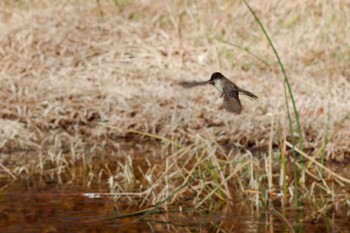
point(74, 78)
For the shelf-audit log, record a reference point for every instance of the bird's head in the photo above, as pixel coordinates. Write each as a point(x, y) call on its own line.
point(214, 77)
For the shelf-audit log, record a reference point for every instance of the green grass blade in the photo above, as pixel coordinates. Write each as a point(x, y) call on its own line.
point(287, 105)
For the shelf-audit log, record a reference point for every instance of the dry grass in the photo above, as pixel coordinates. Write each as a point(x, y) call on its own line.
point(75, 77)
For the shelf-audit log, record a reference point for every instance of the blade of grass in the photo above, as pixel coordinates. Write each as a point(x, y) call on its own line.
point(145, 134)
point(325, 142)
point(8, 171)
point(287, 105)
point(154, 136)
point(283, 71)
point(329, 171)
point(246, 50)
point(222, 183)
point(282, 146)
point(152, 210)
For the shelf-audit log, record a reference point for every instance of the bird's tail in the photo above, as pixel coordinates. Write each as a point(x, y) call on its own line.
point(251, 95)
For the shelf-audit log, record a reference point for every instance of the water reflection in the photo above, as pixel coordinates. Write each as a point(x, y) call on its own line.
point(67, 210)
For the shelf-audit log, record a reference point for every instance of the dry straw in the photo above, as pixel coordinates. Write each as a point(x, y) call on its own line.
point(88, 94)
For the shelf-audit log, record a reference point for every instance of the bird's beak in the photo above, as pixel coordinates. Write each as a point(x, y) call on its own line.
point(211, 82)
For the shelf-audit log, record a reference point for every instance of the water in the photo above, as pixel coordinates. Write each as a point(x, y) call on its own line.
point(69, 209)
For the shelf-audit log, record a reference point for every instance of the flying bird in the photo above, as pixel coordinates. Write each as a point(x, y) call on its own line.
point(228, 90)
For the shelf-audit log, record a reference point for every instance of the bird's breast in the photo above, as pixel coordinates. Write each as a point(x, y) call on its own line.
point(219, 85)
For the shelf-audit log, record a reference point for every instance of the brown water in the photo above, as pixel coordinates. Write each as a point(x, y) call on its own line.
point(67, 209)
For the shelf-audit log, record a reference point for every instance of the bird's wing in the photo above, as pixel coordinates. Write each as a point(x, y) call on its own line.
point(192, 84)
point(232, 102)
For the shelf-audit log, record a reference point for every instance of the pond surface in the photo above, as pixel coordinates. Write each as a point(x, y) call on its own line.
point(70, 209)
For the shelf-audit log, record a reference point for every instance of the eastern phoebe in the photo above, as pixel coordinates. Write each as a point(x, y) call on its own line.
point(228, 90)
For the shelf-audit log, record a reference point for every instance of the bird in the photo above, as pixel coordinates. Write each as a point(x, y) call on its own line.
point(229, 91)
